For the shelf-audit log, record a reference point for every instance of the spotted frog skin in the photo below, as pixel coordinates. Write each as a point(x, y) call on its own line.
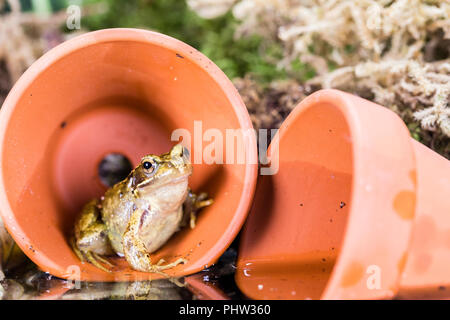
point(138, 215)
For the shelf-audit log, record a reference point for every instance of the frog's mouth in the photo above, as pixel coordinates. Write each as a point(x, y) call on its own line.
point(145, 184)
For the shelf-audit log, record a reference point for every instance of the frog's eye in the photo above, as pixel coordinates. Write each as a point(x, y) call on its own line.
point(148, 166)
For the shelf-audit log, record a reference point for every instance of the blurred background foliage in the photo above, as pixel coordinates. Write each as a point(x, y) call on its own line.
point(236, 56)
point(215, 37)
point(270, 74)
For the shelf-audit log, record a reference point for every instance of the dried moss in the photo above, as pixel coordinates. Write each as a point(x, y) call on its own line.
point(395, 53)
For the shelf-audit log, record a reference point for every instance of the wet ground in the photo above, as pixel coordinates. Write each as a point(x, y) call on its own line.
point(26, 281)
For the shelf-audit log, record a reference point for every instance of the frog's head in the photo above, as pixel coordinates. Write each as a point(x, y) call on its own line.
point(169, 171)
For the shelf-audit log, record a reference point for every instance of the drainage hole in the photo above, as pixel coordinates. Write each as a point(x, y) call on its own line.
point(113, 168)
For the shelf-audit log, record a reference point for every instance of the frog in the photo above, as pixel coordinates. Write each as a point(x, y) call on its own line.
point(139, 214)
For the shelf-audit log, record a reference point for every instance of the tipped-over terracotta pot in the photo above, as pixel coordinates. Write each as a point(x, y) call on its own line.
point(115, 91)
point(356, 210)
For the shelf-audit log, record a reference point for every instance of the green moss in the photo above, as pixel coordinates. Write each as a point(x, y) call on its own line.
point(349, 48)
point(215, 38)
point(415, 130)
point(301, 71)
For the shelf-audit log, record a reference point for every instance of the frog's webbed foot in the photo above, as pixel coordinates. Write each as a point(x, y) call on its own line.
point(192, 205)
point(91, 257)
point(90, 240)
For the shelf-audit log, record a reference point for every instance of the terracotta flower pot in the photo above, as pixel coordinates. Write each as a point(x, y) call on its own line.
point(356, 210)
point(115, 91)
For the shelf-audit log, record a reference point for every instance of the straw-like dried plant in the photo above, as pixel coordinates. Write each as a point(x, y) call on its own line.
point(395, 52)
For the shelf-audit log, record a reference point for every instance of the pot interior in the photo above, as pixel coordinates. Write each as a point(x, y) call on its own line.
point(295, 230)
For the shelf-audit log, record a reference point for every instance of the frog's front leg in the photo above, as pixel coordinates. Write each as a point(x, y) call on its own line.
point(91, 237)
point(192, 205)
point(134, 248)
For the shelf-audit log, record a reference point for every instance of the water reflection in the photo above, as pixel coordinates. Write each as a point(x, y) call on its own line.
point(144, 290)
point(24, 281)
point(37, 285)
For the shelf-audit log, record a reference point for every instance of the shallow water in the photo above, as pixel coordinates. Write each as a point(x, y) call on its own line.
point(27, 282)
